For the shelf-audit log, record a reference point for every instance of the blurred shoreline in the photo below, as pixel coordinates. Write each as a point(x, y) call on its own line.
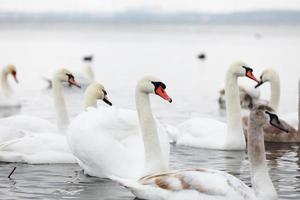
point(267, 17)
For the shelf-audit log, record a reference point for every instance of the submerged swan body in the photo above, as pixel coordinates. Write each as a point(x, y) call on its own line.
point(213, 134)
point(111, 141)
point(34, 140)
point(202, 184)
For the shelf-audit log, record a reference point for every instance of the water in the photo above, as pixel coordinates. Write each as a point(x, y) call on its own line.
point(123, 54)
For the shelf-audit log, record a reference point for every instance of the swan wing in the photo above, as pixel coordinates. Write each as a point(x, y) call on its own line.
point(192, 184)
point(28, 123)
point(107, 141)
point(37, 149)
point(202, 133)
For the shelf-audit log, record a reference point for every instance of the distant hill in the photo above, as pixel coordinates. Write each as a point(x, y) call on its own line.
point(140, 16)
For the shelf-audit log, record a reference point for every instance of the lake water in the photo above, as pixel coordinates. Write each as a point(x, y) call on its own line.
point(123, 54)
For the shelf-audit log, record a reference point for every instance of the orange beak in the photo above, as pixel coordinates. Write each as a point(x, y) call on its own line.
point(73, 82)
point(250, 75)
point(162, 93)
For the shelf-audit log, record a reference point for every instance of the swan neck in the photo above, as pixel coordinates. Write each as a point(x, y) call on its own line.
point(275, 92)
point(153, 154)
point(89, 101)
point(5, 87)
point(89, 71)
point(261, 181)
point(60, 105)
point(235, 136)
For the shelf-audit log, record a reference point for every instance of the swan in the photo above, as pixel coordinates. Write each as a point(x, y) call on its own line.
point(112, 141)
point(36, 124)
point(34, 140)
point(7, 97)
point(275, 135)
point(210, 133)
point(270, 75)
point(201, 183)
point(84, 77)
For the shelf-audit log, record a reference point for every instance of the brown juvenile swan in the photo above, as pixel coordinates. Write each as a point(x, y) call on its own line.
point(201, 184)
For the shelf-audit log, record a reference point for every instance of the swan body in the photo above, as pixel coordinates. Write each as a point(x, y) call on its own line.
point(111, 141)
point(202, 184)
point(213, 134)
point(33, 140)
point(7, 96)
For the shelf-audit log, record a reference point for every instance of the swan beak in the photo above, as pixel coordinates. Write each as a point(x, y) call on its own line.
point(162, 93)
point(73, 82)
point(259, 84)
point(15, 77)
point(105, 99)
point(250, 75)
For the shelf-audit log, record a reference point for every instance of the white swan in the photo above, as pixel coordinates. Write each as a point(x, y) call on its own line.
point(202, 184)
point(210, 133)
point(87, 76)
point(7, 97)
point(270, 75)
point(84, 77)
point(111, 141)
point(34, 140)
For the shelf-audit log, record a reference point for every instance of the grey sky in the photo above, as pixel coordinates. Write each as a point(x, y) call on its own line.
point(154, 5)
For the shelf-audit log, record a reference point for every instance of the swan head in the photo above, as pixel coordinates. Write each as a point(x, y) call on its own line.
point(267, 75)
point(263, 114)
point(94, 92)
point(153, 85)
point(240, 69)
point(65, 75)
point(11, 69)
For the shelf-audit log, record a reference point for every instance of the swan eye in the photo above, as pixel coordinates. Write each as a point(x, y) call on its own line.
point(157, 84)
point(248, 69)
point(105, 93)
point(70, 76)
point(273, 117)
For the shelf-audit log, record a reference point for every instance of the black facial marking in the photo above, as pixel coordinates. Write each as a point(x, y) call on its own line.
point(105, 93)
point(247, 69)
point(70, 76)
point(157, 84)
point(274, 121)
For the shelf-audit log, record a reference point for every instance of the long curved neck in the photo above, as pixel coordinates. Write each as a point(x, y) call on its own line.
point(261, 182)
point(154, 160)
point(235, 136)
point(89, 71)
point(5, 87)
point(62, 117)
point(275, 92)
point(89, 101)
